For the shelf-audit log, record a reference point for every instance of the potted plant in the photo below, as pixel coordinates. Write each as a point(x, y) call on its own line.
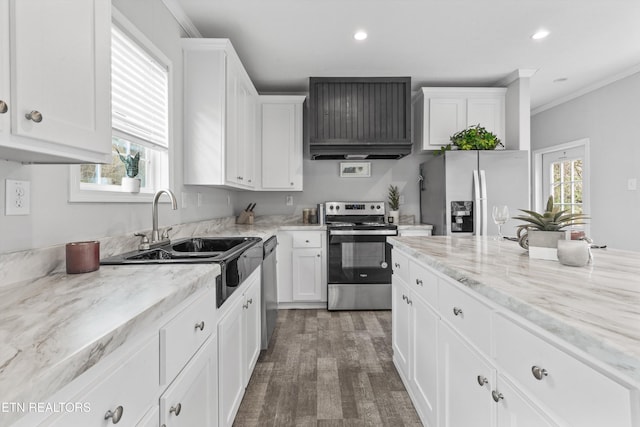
point(542, 231)
point(130, 183)
point(394, 203)
point(473, 138)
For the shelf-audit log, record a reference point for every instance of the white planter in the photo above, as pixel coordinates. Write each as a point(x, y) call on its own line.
point(130, 185)
point(544, 244)
point(395, 215)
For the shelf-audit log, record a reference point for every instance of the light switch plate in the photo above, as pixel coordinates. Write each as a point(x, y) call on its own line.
point(289, 201)
point(632, 184)
point(17, 197)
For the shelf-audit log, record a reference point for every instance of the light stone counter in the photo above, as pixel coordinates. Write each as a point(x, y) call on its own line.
point(596, 308)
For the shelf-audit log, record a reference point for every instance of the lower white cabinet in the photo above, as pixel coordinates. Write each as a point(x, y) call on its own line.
point(415, 327)
point(302, 268)
point(467, 362)
point(151, 419)
point(191, 400)
point(238, 347)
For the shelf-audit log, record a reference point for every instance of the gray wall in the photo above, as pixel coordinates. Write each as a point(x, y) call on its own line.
point(610, 118)
point(55, 221)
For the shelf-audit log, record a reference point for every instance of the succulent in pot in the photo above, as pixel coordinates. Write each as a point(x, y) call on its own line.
point(552, 219)
point(130, 183)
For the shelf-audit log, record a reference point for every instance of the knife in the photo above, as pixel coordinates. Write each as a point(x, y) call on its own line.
point(251, 208)
point(247, 208)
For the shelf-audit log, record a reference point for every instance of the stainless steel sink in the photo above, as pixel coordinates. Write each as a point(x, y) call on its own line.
point(189, 250)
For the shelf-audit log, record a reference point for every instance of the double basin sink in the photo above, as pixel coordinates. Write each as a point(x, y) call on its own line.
point(188, 250)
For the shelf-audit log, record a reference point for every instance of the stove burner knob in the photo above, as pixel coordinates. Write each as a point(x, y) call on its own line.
point(337, 208)
point(378, 207)
point(330, 207)
point(372, 207)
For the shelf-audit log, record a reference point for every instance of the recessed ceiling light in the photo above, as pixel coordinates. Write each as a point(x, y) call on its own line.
point(540, 34)
point(360, 35)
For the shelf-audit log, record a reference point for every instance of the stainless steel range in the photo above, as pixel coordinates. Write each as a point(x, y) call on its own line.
point(359, 257)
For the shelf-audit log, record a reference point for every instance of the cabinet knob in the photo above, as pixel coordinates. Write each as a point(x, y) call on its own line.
point(404, 297)
point(318, 255)
point(482, 380)
point(292, 183)
point(34, 116)
point(250, 301)
point(245, 305)
point(200, 325)
point(306, 241)
point(115, 415)
point(457, 311)
point(497, 396)
point(3, 107)
point(396, 265)
point(419, 282)
point(176, 409)
point(539, 372)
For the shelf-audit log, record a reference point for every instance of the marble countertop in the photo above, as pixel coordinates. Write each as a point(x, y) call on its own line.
point(596, 308)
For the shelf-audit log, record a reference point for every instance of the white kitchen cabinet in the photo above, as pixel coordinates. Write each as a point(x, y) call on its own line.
point(191, 400)
point(281, 124)
point(220, 104)
point(302, 269)
point(239, 337)
point(440, 112)
point(151, 418)
point(56, 60)
point(515, 410)
point(414, 342)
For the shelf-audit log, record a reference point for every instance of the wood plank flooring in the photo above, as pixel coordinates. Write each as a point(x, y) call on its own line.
point(327, 369)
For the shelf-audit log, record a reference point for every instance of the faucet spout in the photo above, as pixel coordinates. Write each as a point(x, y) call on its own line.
point(155, 236)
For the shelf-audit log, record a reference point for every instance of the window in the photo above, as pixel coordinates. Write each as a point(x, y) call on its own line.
point(566, 185)
point(140, 113)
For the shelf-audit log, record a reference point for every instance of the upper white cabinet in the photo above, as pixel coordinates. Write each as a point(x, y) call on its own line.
point(55, 58)
point(281, 125)
point(441, 112)
point(220, 108)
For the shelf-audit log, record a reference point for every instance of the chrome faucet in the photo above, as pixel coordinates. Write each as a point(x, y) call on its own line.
point(155, 236)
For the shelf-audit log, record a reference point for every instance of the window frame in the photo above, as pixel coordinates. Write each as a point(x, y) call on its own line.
point(113, 194)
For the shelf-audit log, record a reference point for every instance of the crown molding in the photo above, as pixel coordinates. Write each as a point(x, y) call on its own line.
point(183, 20)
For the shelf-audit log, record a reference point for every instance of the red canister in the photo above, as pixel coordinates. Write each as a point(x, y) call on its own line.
point(83, 257)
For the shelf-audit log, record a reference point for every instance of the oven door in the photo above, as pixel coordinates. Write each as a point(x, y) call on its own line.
point(359, 257)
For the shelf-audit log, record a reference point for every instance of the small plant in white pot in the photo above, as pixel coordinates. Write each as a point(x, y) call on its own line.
point(542, 231)
point(130, 183)
point(394, 203)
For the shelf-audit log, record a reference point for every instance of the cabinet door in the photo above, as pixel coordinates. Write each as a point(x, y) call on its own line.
point(307, 275)
point(424, 359)
point(464, 401)
point(151, 419)
point(281, 146)
point(488, 113)
point(5, 99)
point(60, 55)
point(191, 400)
point(252, 324)
point(446, 117)
point(230, 363)
point(400, 323)
point(514, 410)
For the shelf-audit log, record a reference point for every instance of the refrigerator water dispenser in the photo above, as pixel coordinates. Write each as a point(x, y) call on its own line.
point(462, 217)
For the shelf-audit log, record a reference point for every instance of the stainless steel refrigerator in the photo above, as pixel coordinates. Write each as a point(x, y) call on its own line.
point(459, 189)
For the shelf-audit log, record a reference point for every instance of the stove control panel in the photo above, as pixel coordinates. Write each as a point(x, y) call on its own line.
point(354, 208)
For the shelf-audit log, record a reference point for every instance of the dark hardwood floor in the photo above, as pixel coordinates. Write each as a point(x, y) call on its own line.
point(327, 369)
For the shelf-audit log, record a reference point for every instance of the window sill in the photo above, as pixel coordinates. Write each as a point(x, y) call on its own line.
point(77, 194)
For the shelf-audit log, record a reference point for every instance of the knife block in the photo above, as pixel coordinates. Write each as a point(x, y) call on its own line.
point(245, 217)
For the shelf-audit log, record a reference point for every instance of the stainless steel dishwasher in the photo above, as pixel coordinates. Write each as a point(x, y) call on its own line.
point(269, 291)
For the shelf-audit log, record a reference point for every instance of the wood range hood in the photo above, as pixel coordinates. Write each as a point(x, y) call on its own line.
point(359, 118)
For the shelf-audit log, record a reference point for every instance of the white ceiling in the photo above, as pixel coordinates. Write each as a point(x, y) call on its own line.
point(437, 42)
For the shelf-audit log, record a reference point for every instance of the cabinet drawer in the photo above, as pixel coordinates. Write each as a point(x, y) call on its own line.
point(129, 391)
point(181, 337)
point(471, 317)
point(568, 387)
point(307, 239)
point(400, 265)
point(424, 282)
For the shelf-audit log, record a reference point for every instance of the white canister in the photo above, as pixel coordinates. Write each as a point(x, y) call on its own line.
point(576, 253)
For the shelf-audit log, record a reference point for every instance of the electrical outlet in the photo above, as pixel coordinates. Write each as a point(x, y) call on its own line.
point(185, 200)
point(632, 184)
point(17, 197)
point(228, 199)
point(289, 201)
point(199, 199)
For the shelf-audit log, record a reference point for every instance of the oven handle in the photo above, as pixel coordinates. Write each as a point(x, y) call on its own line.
point(363, 232)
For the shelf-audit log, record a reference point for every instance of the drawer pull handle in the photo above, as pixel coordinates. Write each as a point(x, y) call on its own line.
point(482, 380)
point(419, 282)
point(539, 372)
point(3, 107)
point(457, 311)
point(250, 301)
point(200, 325)
point(176, 409)
point(114, 415)
point(497, 396)
point(35, 116)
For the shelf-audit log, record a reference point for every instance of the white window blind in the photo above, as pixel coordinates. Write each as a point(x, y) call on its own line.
point(139, 92)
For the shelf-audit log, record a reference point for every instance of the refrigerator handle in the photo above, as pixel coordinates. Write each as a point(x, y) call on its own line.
point(477, 201)
point(483, 198)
